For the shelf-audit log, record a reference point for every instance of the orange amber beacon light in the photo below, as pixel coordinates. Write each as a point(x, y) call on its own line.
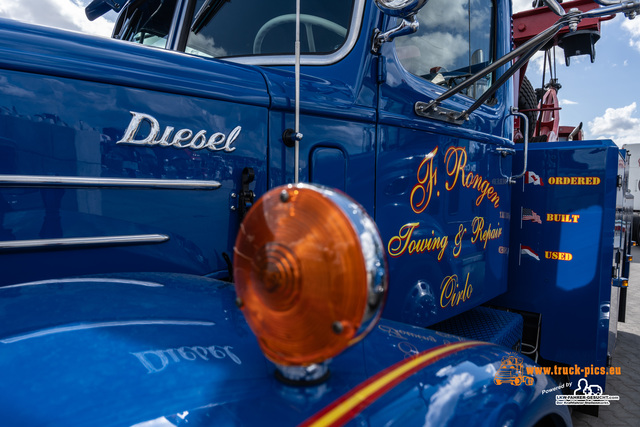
point(310, 276)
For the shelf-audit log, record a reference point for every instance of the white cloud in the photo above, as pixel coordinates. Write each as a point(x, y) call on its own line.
point(445, 14)
point(618, 124)
point(443, 402)
point(202, 45)
point(520, 5)
point(568, 102)
point(633, 27)
point(66, 14)
point(434, 49)
point(536, 64)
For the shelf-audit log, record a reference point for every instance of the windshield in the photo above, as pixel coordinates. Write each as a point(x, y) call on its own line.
point(229, 28)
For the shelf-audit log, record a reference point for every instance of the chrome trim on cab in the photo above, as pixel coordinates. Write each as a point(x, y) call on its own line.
point(133, 239)
point(77, 181)
point(328, 59)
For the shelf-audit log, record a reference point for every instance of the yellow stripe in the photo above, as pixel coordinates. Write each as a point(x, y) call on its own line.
point(350, 403)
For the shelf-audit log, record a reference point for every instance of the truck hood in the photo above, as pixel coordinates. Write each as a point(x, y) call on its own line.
point(167, 349)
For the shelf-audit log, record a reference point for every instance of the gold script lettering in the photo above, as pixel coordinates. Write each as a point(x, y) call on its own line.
point(404, 242)
point(427, 178)
point(450, 293)
point(479, 233)
point(455, 160)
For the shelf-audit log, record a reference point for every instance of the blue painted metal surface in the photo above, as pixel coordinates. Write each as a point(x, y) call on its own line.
point(561, 253)
point(53, 52)
point(125, 349)
point(486, 324)
point(430, 212)
point(364, 130)
point(338, 114)
point(90, 98)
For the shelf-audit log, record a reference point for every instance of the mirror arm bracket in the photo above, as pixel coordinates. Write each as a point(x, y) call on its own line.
point(408, 25)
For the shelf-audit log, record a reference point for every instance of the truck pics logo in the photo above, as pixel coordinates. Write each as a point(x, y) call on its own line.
point(183, 138)
point(511, 371)
point(586, 389)
point(586, 394)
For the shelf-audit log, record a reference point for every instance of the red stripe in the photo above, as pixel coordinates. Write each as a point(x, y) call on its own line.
point(384, 388)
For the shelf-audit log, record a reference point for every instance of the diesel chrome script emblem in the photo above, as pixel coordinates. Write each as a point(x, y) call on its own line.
point(184, 138)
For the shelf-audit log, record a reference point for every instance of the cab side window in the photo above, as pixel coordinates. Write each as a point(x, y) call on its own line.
point(147, 22)
point(455, 40)
point(223, 29)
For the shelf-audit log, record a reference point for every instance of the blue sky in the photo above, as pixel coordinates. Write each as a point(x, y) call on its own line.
point(604, 96)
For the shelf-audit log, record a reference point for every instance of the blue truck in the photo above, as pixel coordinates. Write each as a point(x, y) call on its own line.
point(269, 213)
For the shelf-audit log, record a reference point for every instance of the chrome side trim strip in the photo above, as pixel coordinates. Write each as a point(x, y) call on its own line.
point(133, 239)
point(77, 181)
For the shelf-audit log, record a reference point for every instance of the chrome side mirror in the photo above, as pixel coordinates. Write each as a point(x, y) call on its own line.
point(404, 9)
point(400, 8)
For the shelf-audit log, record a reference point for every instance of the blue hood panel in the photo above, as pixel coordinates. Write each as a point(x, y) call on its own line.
point(175, 349)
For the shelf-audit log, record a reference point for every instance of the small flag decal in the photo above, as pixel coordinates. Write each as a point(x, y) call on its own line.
point(532, 178)
point(526, 250)
point(530, 215)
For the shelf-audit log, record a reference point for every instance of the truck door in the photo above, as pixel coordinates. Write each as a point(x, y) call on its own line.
point(442, 198)
point(123, 156)
point(336, 85)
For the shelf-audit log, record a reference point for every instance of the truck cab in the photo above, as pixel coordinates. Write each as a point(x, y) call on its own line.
point(194, 98)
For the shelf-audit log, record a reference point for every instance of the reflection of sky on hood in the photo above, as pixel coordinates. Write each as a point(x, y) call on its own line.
point(12, 90)
point(458, 383)
point(464, 385)
point(444, 401)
